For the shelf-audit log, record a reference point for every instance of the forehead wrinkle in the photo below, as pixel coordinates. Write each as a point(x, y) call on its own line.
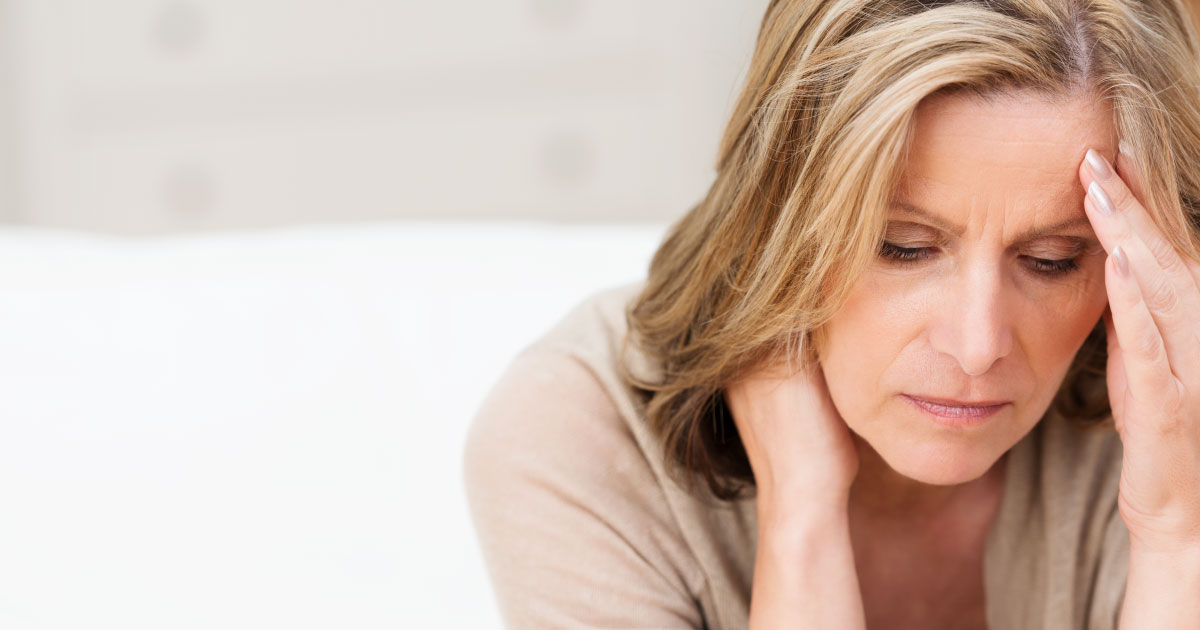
point(1028, 234)
point(1018, 159)
point(1053, 168)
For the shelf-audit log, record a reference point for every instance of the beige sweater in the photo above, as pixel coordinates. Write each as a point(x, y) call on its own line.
point(580, 526)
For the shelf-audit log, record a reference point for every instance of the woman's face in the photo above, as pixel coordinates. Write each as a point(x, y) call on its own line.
point(995, 300)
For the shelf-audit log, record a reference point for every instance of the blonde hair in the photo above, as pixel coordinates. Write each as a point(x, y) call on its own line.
point(813, 153)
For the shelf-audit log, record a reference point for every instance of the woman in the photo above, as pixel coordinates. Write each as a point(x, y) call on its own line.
point(926, 356)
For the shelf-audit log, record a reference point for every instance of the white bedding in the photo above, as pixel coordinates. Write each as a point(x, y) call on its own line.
point(263, 429)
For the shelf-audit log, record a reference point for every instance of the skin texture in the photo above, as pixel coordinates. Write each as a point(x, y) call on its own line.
point(971, 319)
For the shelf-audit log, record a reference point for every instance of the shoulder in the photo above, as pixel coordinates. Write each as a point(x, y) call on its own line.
point(1065, 468)
point(564, 387)
point(1081, 469)
point(1072, 457)
point(560, 387)
point(593, 330)
point(1061, 546)
point(565, 497)
point(549, 406)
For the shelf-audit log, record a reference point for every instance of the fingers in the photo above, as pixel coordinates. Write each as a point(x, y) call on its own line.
point(1147, 368)
point(1116, 370)
point(1155, 306)
point(1127, 168)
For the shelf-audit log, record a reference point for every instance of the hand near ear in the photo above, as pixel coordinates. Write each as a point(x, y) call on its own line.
point(798, 445)
point(1153, 326)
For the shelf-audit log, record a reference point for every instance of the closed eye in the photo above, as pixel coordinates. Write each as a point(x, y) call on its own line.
point(907, 256)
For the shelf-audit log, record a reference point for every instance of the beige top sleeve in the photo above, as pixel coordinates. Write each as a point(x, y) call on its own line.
point(573, 526)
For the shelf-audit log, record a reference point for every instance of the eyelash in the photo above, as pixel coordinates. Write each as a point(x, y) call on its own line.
point(911, 255)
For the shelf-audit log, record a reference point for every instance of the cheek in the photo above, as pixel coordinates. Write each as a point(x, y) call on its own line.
point(863, 341)
point(1055, 322)
point(1054, 327)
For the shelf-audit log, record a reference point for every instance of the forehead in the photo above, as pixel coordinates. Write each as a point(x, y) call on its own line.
point(1014, 148)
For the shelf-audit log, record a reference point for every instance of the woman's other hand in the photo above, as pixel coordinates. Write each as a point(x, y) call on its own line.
point(804, 460)
point(1153, 326)
point(798, 445)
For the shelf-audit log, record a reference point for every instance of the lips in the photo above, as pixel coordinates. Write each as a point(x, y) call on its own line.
point(957, 416)
point(950, 402)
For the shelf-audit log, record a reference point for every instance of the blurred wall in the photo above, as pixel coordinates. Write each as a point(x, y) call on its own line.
point(9, 194)
point(142, 116)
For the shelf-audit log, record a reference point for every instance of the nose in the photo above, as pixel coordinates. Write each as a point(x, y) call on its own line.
point(970, 321)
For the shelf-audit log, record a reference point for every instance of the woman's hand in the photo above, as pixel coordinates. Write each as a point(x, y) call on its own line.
point(798, 445)
point(804, 460)
point(1153, 324)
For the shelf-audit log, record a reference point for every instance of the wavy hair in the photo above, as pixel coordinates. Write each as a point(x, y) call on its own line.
point(812, 155)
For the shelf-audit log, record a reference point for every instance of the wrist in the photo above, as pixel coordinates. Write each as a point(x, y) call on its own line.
point(774, 502)
point(1160, 588)
point(798, 512)
point(1164, 543)
point(1182, 561)
point(804, 569)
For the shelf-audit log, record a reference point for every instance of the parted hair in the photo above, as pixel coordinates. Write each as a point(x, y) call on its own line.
point(811, 157)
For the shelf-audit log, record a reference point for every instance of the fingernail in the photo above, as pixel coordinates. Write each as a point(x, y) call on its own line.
point(1124, 147)
point(1118, 255)
point(1099, 167)
point(1100, 198)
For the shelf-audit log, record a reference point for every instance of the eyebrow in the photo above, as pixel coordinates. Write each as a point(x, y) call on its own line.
point(957, 230)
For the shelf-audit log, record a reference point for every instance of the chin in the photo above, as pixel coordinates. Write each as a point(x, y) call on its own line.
point(938, 463)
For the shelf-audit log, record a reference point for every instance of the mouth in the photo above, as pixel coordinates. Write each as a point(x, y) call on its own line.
point(956, 409)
